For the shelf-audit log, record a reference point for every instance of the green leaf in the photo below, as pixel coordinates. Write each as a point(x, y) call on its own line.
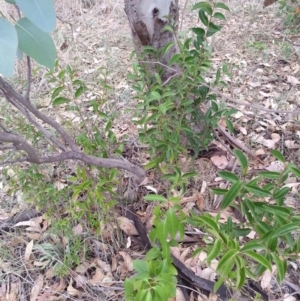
point(226, 262)
point(278, 155)
point(173, 223)
point(219, 16)
point(207, 220)
point(296, 172)
point(80, 90)
point(285, 229)
point(260, 259)
point(229, 126)
point(273, 175)
point(258, 191)
point(60, 100)
point(272, 243)
point(140, 266)
point(212, 29)
point(241, 277)
point(36, 43)
point(232, 193)
point(242, 160)
point(280, 267)
point(228, 176)
point(250, 246)
point(56, 92)
point(175, 58)
point(166, 48)
point(222, 5)
point(202, 5)
point(198, 31)
point(203, 17)
point(241, 231)
point(153, 254)
point(218, 191)
point(10, 1)
point(281, 193)
point(8, 47)
point(155, 198)
point(215, 251)
point(279, 210)
point(41, 13)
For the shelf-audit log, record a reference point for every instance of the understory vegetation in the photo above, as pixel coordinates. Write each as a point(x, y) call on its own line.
point(118, 183)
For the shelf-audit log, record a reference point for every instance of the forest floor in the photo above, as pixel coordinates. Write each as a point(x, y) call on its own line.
point(93, 37)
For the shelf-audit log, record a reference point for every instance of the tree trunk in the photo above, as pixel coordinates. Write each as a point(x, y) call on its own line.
point(147, 19)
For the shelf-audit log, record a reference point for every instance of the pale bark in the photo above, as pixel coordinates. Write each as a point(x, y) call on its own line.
point(147, 20)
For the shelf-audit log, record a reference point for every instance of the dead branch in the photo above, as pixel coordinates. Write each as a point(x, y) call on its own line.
point(32, 156)
point(13, 96)
point(31, 113)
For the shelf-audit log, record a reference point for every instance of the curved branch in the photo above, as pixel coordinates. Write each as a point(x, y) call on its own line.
point(20, 144)
point(11, 93)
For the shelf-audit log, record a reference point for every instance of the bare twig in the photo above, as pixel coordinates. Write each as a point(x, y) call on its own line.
point(49, 136)
point(28, 78)
point(236, 142)
point(2, 148)
point(10, 93)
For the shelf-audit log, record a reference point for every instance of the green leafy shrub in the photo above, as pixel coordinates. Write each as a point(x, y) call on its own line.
point(260, 200)
point(180, 113)
point(290, 10)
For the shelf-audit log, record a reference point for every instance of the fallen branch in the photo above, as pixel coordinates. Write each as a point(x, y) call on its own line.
point(236, 142)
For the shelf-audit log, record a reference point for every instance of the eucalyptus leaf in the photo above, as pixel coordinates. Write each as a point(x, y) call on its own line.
point(40, 12)
point(36, 43)
point(8, 47)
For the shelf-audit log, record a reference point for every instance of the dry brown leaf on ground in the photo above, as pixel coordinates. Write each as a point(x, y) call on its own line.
point(127, 260)
point(266, 278)
point(97, 277)
point(265, 281)
point(184, 254)
point(179, 295)
point(292, 80)
point(32, 225)
point(288, 297)
point(219, 161)
point(275, 166)
point(71, 290)
point(83, 267)
point(81, 281)
point(209, 274)
point(100, 245)
point(103, 265)
point(33, 236)
point(28, 251)
point(213, 297)
point(127, 225)
point(59, 286)
point(37, 287)
point(291, 144)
